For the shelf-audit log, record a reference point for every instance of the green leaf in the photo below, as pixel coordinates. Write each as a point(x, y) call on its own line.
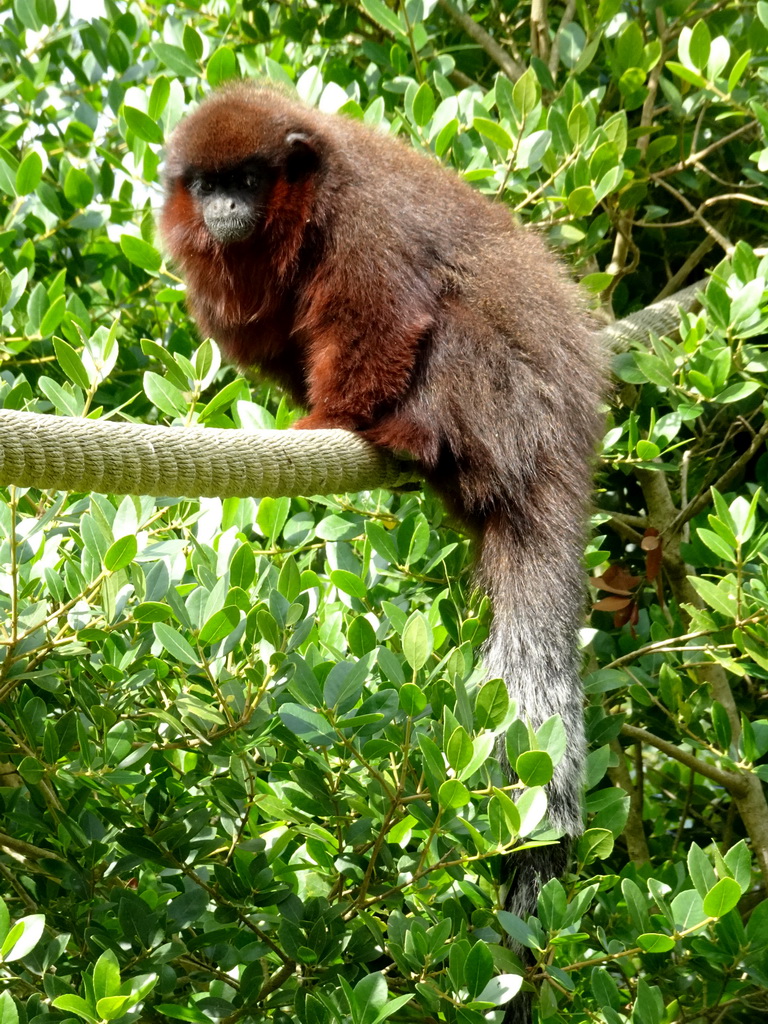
point(242, 568)
point(29, 174)
point(688, 911)
point(74, 1004)
point(596, 283)
point(702, 383)
point(482, 748)
point(112, 1007)
point(121, 553)
point(272, 516)
point(70, 362)
point(361, 636)
point(23, 937)
point(722, 897)
point(491, 704)
point(526, 92)
point(736, 392)
point(412, 699)
point(369, 997)
point(605, 989)
point(417, 640)
point(636, 901)
point(532, 806)
point(310, 725)
point(595, 843)
point(175, 58)
point(581, 201)
point(756, 651)
point(143, 126)
point(193, 43)
point(699, 45)
point(629, 46)
point(382, 542)
point(517, 929)
point(716, 543)
point(393, 1005)
point(158, 97)
point(106, 975)
point(222, 66)
point(687, 74)
point(532, 150)
point(8, 1012)
point(433, 760)
point(53, 316)
point(453, 794)
point(445, 136)
point(173, 642)
point(656, 942)
point(382, 15)
point(423, 105)
point(289, 580)
point(647, 450)
point(478, 968)
point(141, 253)
point(494, 131)
point(459, 748)
point(743, 515)
point(534, 767)
point(738, 70)
point(78, 187)
point(721, 601)
point(578, 125)
point(349, 583)
point(31, 770)
point(723, 735)
point(509, 810)
point(219, 625)
point(739, 863)
point(164, 395)
point(654, 369)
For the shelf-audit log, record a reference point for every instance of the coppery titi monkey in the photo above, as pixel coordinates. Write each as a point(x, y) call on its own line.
point(391, 299)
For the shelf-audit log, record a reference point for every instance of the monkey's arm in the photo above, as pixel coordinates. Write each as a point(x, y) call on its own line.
point(358, 371)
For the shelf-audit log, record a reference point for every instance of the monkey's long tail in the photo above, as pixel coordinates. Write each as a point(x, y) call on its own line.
point(534, 579)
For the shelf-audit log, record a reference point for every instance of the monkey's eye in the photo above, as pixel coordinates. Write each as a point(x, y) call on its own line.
point(250, 181)
point(201, 186)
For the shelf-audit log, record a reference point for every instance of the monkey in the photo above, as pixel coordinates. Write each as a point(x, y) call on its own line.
point(390, 298)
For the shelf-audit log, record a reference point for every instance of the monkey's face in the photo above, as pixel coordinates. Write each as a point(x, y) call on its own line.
point(244, 160)
point(231, 201)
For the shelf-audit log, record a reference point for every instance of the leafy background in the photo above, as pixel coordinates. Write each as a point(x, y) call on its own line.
point(245, 750)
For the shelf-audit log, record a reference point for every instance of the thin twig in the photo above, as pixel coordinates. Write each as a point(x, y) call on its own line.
point(702, 154)
point(695, 212)
point(702, 499)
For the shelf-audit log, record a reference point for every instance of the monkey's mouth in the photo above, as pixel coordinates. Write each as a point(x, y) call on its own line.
point(230, 229)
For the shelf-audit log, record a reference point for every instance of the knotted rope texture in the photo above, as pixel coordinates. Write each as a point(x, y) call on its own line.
point(67, 454)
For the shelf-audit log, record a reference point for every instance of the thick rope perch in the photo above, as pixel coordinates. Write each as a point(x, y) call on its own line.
point(661, 318)
point(67, 454)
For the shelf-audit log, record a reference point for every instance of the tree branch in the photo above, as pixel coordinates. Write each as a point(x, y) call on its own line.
point(511, 68)
point(735, 784)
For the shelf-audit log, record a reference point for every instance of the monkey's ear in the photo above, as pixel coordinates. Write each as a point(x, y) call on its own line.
point(303, 156)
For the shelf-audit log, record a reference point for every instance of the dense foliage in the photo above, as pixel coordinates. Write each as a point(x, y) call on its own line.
point(246, 752)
